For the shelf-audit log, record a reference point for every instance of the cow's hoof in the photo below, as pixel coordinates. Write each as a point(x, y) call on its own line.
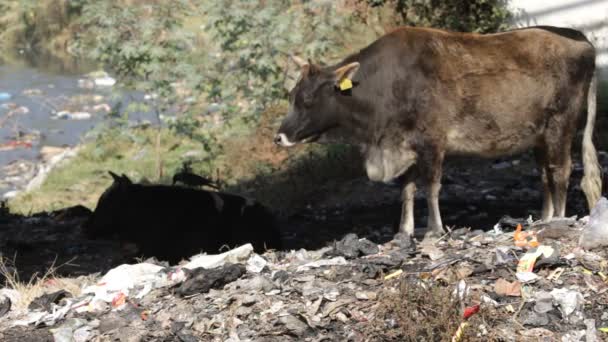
point(433, 234)
point(403, 240)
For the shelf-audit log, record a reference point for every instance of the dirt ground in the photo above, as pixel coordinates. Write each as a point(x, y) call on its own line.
point(476, 194)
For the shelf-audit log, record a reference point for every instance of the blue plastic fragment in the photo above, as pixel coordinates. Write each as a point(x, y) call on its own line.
point(5, 96)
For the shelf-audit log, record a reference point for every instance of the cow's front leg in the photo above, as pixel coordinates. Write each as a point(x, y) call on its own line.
point(431, 168)
point(406, 226)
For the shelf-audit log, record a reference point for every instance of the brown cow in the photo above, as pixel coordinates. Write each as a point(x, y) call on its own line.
point(416, 95)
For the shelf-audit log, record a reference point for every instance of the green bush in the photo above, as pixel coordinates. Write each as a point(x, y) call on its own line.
point(483, 16)
point(254, 40)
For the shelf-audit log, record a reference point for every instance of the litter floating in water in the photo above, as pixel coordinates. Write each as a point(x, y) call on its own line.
point(105, 81)
point(72, 116)
point(5, 96)
point(11, 145)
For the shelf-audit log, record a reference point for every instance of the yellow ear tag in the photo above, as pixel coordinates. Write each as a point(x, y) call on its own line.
point(346, 84)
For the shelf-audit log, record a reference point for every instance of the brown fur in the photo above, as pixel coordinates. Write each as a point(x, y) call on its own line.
point(422, 94)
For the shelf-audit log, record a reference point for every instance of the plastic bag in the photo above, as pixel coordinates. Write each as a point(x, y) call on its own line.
point(595, 233)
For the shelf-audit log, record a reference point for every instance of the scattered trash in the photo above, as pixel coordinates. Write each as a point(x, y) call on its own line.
point(554, 291)
point(65, 115)
point(470, 311)
point(102, 107)
point(201, 280)
point(352, 247)
point(524, 239)
point(5, 305)
point(105, 81)
point(43, 303)
point(430, 250)
point(101, 78)
point(569, 301)
point(14, 144)
point(528, 260)
point(32, 92)
point(256, 264)
point(595, 234)
point(393, 275)
point(505, 288)
point(236, 255)
point(322, 263)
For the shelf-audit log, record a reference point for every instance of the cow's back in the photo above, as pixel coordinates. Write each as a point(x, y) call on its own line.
point(481, 94)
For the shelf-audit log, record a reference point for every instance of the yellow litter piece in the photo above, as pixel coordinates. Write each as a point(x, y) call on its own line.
point(393, 275)
point(346, 84)
point(458, 335)
point(586, 271)
point(603, 329)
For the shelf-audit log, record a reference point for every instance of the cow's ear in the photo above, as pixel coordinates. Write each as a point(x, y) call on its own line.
point(115, 177)
point(343, 75)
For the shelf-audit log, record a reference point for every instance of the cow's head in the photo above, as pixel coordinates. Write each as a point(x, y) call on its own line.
point(111, 203)
point(316, 101)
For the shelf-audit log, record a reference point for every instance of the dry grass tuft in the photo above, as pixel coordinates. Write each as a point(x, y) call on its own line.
point(421, 311)
point(38, 285)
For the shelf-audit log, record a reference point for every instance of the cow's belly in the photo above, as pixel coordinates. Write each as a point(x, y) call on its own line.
point(492, 141)
point(385, 164)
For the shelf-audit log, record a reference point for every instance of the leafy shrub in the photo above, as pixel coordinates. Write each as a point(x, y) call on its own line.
point(483, 16)
point(254, 40)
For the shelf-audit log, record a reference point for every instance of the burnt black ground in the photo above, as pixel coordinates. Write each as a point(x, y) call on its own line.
point(476, 193)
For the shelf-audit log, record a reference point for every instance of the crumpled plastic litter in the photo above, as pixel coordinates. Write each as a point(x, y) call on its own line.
point(352, 247)
point(145, 277)
point(595, 233)
point(5, 305)
point(201, 280)
point(568, 301)
point(239, 254)
point(323, 262)
point(44, 302)
point(527, 261)
point(65, 332)
point(125, 277)
point(256, 264)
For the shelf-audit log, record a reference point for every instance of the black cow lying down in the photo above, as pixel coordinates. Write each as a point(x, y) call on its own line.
point(417, 95)
point(172, 223)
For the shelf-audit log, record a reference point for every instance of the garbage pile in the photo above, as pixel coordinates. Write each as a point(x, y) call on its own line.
point(521, 281)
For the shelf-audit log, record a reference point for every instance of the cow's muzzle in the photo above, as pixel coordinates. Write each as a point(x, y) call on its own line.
point(281, 140)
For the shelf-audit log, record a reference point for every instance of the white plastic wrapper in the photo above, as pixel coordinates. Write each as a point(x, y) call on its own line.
point(595, 234)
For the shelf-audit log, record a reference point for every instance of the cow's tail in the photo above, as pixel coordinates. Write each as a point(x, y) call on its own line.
point(592, 181)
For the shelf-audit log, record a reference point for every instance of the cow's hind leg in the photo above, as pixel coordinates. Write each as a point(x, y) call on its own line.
point(430, 165)
point(560, 166)
point(558, 140)
point(540, 153)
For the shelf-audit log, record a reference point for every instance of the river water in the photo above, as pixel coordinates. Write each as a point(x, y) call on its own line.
point(52, 103)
